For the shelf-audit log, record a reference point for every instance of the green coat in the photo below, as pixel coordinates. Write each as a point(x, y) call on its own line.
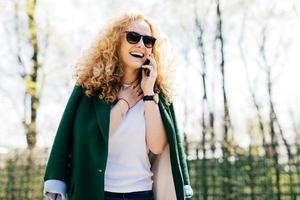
point(79, 152)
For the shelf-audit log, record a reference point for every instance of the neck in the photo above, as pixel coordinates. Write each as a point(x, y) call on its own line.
point(129, 76)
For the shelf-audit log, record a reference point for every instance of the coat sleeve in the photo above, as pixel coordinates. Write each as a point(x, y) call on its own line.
point(188, 191)
point(182, 156)
point(58, 162)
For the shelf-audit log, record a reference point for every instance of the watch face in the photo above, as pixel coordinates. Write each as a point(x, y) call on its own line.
point(155, 98)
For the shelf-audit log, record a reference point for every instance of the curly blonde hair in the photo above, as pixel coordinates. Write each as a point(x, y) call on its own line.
point(100, 71)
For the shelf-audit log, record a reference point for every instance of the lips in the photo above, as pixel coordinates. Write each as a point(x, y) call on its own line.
point(137, 54)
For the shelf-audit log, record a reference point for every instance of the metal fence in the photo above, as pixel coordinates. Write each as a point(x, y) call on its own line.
point(21, 174)
point(239, 176)
point(247, 176)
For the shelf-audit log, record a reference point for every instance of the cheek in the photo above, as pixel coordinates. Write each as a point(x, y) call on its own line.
point(124, 51)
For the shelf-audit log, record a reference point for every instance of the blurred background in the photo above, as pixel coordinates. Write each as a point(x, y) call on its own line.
point(237, 81)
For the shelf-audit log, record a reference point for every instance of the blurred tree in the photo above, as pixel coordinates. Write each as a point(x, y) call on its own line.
point(30, 79)
point(31, 65)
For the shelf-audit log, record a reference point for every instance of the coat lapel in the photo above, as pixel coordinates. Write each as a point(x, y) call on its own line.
point(102, 109)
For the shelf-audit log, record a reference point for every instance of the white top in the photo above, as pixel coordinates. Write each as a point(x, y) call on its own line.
point(128, 165)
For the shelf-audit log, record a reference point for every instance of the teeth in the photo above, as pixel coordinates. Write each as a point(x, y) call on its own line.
point(137, 54)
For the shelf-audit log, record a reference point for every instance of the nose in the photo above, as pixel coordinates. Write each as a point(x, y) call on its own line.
point(141, 43)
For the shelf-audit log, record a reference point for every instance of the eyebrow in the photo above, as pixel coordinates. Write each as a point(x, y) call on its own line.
point(139, 33)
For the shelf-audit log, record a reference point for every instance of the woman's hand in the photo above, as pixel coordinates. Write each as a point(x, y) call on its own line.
point(132, 94)
point(147, 83)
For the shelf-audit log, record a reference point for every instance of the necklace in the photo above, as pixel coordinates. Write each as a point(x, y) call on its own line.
point(125, 85)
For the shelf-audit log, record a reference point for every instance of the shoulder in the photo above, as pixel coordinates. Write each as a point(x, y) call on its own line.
point(77, 89)
point(77, 92)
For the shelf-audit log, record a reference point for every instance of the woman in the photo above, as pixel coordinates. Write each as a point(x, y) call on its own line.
point(118, 136)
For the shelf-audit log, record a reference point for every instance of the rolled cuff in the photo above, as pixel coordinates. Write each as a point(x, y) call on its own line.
point(55, 189)
point(188, 191)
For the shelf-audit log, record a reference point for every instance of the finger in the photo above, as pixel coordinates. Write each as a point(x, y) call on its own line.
point(143, 73)
point(152, 60)
point(146, 66)
point(150, 67)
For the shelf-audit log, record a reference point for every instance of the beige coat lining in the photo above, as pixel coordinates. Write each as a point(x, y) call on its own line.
point(163, 185)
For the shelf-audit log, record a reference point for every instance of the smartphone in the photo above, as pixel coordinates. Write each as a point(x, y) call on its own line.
point(147, 71)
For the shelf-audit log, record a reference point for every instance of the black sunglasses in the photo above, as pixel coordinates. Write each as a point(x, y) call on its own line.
point(134, 37)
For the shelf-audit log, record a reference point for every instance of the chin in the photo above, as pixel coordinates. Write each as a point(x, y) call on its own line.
point(136, 65)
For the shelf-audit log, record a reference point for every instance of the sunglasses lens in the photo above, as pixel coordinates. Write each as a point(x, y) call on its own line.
point(149, 41)
point(133, 37)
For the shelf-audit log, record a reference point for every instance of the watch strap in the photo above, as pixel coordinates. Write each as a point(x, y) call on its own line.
point(148, 97)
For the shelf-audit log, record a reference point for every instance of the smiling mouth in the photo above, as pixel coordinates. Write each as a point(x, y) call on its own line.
point(137, 55)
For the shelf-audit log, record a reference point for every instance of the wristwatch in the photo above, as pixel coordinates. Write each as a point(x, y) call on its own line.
point(151, 98)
